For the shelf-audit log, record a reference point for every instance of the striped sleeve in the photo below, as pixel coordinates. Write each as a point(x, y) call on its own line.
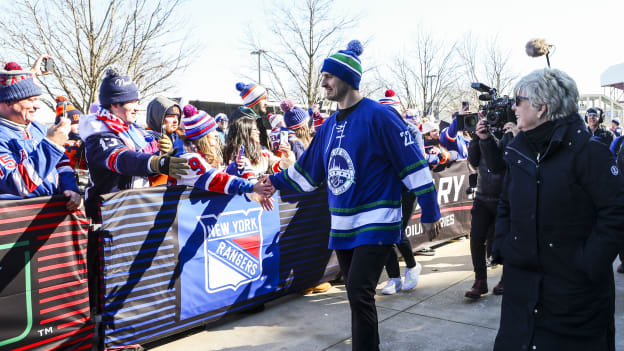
point(22, 176)
point(307, 173)
point(410, 165)
point(203, 176)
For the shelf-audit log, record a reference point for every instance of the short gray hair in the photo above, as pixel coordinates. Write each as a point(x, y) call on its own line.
point(550, 87)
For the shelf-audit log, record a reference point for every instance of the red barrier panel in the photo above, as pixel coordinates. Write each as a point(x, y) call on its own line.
point(43, 276)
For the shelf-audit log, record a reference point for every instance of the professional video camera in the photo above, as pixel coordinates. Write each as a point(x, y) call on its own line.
point(497, 111)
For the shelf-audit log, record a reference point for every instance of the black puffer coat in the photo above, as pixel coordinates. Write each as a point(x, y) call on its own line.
point(560, 223)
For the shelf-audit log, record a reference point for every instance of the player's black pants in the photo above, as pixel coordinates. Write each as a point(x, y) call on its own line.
point(361, 268)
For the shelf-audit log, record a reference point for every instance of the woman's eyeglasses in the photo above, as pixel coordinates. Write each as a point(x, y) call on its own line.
point(520, 98)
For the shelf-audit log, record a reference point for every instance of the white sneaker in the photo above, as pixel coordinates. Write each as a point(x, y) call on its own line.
point(411, 277)
point(392, 286)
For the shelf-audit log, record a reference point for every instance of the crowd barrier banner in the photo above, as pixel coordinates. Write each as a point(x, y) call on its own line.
point(455, 205)
point(175, 258)
point(43, 276)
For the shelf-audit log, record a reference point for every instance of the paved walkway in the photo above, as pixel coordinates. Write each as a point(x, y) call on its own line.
point(434, 316)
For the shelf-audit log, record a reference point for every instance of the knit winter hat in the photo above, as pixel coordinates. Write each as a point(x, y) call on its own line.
point(17, 84)
point(429, 126)
point(117, 88)
point(251, 93)
point(72, 112)
point(275, 119)
point(221, 117)
point(390, 98)
point(294, 116)
point(198, 124)
point(346, 65)
point(412, 116)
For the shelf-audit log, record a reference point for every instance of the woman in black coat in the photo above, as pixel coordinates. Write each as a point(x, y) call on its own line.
point(559, 224)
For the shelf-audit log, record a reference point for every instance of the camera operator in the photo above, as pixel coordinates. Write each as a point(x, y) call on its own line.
point(489, 188)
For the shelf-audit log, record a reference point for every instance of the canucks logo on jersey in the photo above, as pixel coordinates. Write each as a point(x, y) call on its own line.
point(340, 173)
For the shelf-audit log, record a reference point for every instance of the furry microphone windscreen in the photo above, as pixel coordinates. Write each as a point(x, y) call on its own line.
point(537, 47)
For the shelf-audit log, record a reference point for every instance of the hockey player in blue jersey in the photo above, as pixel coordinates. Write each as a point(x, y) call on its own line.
point(32, 157)
point(364, 154)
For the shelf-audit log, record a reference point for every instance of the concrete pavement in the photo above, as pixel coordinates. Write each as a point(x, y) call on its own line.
point(433, 316)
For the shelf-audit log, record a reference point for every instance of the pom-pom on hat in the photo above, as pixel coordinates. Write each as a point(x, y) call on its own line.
point(294, 116)
point(251, 93)
point(17, 84)
point(189, 110)
point(72, 112)
point(275, 120)
point(117, 88)
point(390, 98)
point(346, 64)
point(198, 124)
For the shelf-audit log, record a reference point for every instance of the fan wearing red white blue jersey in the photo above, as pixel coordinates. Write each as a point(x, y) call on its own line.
point(120, 154)
point(204, 157)
point(32, 158)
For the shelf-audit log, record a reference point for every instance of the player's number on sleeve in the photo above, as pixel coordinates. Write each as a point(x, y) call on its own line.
point(107, 143)
point(196, 166)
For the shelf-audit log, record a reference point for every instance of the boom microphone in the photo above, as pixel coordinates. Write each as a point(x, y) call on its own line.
point(537, 48)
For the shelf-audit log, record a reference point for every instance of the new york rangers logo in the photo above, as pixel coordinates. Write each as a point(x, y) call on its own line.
point(232, 249)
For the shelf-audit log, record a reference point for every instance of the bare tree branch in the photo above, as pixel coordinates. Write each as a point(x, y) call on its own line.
point(86, 36)
point(309, 31)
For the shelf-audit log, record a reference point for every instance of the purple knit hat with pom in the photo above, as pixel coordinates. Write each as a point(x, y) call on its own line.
point(346, 65)
point(294, 116)
point(197, 123)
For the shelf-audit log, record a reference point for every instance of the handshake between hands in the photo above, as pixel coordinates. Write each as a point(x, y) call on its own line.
point(264, 190)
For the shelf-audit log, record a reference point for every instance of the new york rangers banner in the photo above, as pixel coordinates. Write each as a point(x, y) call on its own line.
point(455, 205)
point(43, 280)
point(175, 258)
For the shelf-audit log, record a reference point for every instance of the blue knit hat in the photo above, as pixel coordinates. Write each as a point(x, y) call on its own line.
point(197, 123)
point(294, 116)
point(117, 89)
point(346, 65)
point(17, 84)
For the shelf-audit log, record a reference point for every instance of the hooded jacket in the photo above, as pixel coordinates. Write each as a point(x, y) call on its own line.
point(156, 113)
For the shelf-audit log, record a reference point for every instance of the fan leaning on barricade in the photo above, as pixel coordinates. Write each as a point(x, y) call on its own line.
point(360, 153)
point(202, 150)
point(559, 224)
point(120, 154)
point(32, 157)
